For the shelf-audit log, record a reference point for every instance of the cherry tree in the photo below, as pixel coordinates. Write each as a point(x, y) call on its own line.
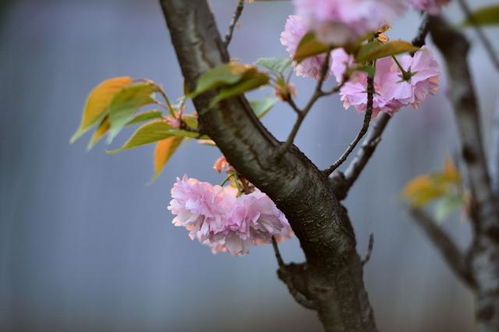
point(271, 191)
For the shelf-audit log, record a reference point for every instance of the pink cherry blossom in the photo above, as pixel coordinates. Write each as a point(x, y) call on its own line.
point(424, 77)
point(340, 61)
point(392, 90)
point(353, 93)
point(217, 217)
point(200, 207)
point(340, 21)
point(294, 30)
point(432, 7)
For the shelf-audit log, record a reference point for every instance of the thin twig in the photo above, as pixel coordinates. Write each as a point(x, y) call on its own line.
point(370, 247)
point(301, 114)
point(233, 23)
point(368, 147)
point(445, 245)
point(293, 105)
point(481, 35)
point(342, 182)
point(277, 253)
point(363, 130)
point(423, 30)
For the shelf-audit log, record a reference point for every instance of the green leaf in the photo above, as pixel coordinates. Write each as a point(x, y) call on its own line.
point(447, 205)
point(100, 132)
point(376, 50)
point(263, 106)
point(191, 120)
point(163, 151)
point(488, 15)
point(277, 65)
point(309, 46)
point(145, 116)
point(422, 190)
point(226, 74)
point(98, 102)
point(126, 102)
point(429, 187)
point(151, 132)
point(251, 81)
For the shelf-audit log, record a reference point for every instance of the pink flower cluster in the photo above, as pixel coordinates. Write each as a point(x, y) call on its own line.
point(340, 21)
point(392, 89)
point(432, 7)
point(294, 30)
point(215, 216)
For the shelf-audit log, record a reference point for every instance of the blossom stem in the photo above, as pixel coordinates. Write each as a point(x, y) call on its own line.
point(277, 253)
point(225, 180)
point(406, 75)
point(169, 106)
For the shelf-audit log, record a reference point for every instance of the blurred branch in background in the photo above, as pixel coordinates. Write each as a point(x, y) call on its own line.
point(483, 256)
point(480, 33)
point(494, 168)
point(445, 245)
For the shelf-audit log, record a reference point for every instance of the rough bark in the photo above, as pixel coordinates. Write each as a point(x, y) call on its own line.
point(483, 256)
point(331, 279)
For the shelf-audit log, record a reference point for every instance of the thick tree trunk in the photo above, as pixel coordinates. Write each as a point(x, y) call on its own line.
point(331, 280)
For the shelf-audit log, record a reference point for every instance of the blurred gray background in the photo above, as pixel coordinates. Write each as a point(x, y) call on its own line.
point(85, 245)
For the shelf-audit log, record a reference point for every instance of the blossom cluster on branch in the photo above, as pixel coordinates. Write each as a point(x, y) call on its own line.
point(338, 22)
point(225, 220)
point(432, 7)
point(374, 75)
point(398, 82)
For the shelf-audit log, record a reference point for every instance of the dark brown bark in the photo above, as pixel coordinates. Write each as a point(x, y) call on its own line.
point(483, 256)
point(331, 279)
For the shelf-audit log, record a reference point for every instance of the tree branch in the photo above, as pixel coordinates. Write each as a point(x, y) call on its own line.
point(495, 153)
point(301, 114)
point(342, 182)
point(445, 245)
point(361, 133)
point(481, 35)
point(370, 248)
point(484, 253)
point(420, 38)
point(275, 246)
point(333, 277)
point(233, 23)
point(454, 48)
